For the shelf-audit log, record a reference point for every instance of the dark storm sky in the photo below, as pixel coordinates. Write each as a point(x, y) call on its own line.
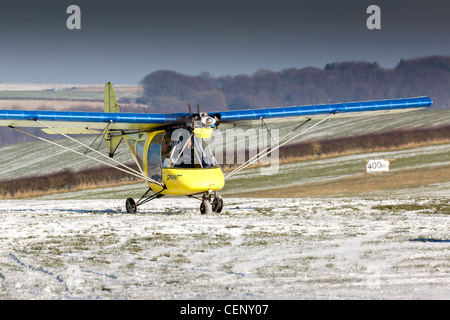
point(122, 41)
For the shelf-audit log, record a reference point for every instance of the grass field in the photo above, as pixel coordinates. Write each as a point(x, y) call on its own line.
point(412, 182)
point(420, 171)
point(65, 92)
point(341, 169)
point(343, 174)
point(66, 97)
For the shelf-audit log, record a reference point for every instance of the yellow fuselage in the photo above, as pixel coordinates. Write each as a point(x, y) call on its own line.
point(189, 181)
point(177, 181)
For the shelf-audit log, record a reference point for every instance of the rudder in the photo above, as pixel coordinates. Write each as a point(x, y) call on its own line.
point(112, 140)
point(111, 104)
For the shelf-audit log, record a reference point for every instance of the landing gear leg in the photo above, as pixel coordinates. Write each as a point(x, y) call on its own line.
point(131, 205)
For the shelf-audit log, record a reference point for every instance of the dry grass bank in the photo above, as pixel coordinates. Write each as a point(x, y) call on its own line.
point(285, 158)
point(361, 183)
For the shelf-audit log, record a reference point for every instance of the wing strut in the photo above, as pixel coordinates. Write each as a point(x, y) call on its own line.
point(265, 152)
point(127, 170)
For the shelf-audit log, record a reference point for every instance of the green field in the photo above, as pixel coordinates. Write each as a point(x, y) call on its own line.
point(39, 158)
point(336, 168)
point(288, 174)
point(83, 93)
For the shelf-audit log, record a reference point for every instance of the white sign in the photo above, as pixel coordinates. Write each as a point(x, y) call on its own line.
point(377, 166)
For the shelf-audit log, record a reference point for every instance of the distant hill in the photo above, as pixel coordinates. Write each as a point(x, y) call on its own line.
point(169, 91)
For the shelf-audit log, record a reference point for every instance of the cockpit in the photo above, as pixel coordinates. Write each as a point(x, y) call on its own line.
point(181, 149)
point(177, 148)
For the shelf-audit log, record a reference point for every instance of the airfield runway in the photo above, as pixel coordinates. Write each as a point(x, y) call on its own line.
point(319, 248)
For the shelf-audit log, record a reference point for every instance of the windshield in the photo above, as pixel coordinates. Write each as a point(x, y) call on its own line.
point(181, 149)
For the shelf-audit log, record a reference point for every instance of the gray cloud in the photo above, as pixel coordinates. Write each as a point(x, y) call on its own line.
point(123, 41)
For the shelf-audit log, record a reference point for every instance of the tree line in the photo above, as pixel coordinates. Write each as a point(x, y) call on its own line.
point(169, 91)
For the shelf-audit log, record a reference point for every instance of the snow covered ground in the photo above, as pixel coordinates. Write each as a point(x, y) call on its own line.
point(346, 248)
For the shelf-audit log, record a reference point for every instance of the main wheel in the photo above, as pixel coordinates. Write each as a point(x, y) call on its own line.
point(131, 206)
point(205, 207)
point(217, 204)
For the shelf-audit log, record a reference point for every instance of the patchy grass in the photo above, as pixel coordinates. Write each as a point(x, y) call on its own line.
point(428, 208)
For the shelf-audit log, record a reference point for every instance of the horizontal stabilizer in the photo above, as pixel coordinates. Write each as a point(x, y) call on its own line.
point(111, 106)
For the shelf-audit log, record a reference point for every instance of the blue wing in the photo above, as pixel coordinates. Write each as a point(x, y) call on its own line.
point(367, 107)
point(90, 122)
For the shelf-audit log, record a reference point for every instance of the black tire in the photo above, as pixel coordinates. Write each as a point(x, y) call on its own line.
point(131, 206)
point(205, 207)
point(217, 204)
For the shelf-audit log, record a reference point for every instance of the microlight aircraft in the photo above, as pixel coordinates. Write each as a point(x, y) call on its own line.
point(171, 149)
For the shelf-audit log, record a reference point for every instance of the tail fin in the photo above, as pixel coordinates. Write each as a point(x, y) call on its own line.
point(111, 105)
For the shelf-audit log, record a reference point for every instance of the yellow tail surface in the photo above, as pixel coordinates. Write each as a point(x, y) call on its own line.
point(111, 105)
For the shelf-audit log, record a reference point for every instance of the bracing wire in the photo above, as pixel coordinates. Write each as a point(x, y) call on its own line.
point(127, 169)
point(265, 152)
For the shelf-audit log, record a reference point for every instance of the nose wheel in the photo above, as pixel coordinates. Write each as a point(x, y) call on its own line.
point(210, 205)
point(217, 204)
point(205, 207)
